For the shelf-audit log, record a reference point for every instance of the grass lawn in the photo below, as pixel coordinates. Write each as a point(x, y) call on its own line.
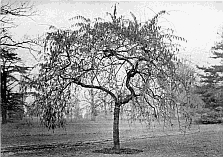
point(81, 138)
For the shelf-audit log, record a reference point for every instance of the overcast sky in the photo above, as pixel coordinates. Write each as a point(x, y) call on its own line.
point(198, 22)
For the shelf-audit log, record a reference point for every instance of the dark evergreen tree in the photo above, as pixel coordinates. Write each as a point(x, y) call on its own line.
point(12, 68)
point(11, 73)
point(211, 87)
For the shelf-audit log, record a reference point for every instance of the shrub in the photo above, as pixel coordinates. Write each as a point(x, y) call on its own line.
point(212, 117)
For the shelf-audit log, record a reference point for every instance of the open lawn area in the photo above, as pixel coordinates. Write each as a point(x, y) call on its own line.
point(82, 138)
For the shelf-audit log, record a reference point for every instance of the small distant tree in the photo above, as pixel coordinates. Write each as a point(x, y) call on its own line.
point(133, 63)
point(74, 109)
point(96, 102)
point(91, 100)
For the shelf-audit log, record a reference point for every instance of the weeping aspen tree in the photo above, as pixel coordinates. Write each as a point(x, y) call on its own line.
point(125, 51)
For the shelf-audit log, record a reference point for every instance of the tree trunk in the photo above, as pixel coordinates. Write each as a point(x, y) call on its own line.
point(105, 108)
point(3, 97)
point(116, 127)
point(4, 114)
point(93, 110)
point(93, 117)
point(71, 118)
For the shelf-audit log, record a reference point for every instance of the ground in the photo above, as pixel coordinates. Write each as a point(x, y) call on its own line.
point(86, 138)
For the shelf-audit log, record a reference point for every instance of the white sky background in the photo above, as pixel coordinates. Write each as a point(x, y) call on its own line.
point(197, 22)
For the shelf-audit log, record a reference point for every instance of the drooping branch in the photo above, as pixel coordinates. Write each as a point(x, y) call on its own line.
point(23, 9)
point(78, 82)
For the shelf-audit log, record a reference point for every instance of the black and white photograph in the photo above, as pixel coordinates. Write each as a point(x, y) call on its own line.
point(111, 78)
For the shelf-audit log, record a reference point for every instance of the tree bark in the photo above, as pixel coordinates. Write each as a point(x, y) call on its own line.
point(93, 117)
point(116, 127)
point(93, 110)
point(105, 108)
point(3, 97)
point(4, 114)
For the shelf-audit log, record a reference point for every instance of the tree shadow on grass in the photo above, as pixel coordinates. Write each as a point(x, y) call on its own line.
point(121, 151)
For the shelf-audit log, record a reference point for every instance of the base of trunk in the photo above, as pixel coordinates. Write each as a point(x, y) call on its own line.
point(116, 149)
point(120, 151)
point(93, 118)
point(116, 141)
point(4, 116)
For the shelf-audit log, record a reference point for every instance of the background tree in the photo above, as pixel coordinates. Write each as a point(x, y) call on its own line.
point(96, 102)
point(12, 69)
point(211, 87)
point(185, 79)
point(11, 74)
point(125, 51)
point(74, 110)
